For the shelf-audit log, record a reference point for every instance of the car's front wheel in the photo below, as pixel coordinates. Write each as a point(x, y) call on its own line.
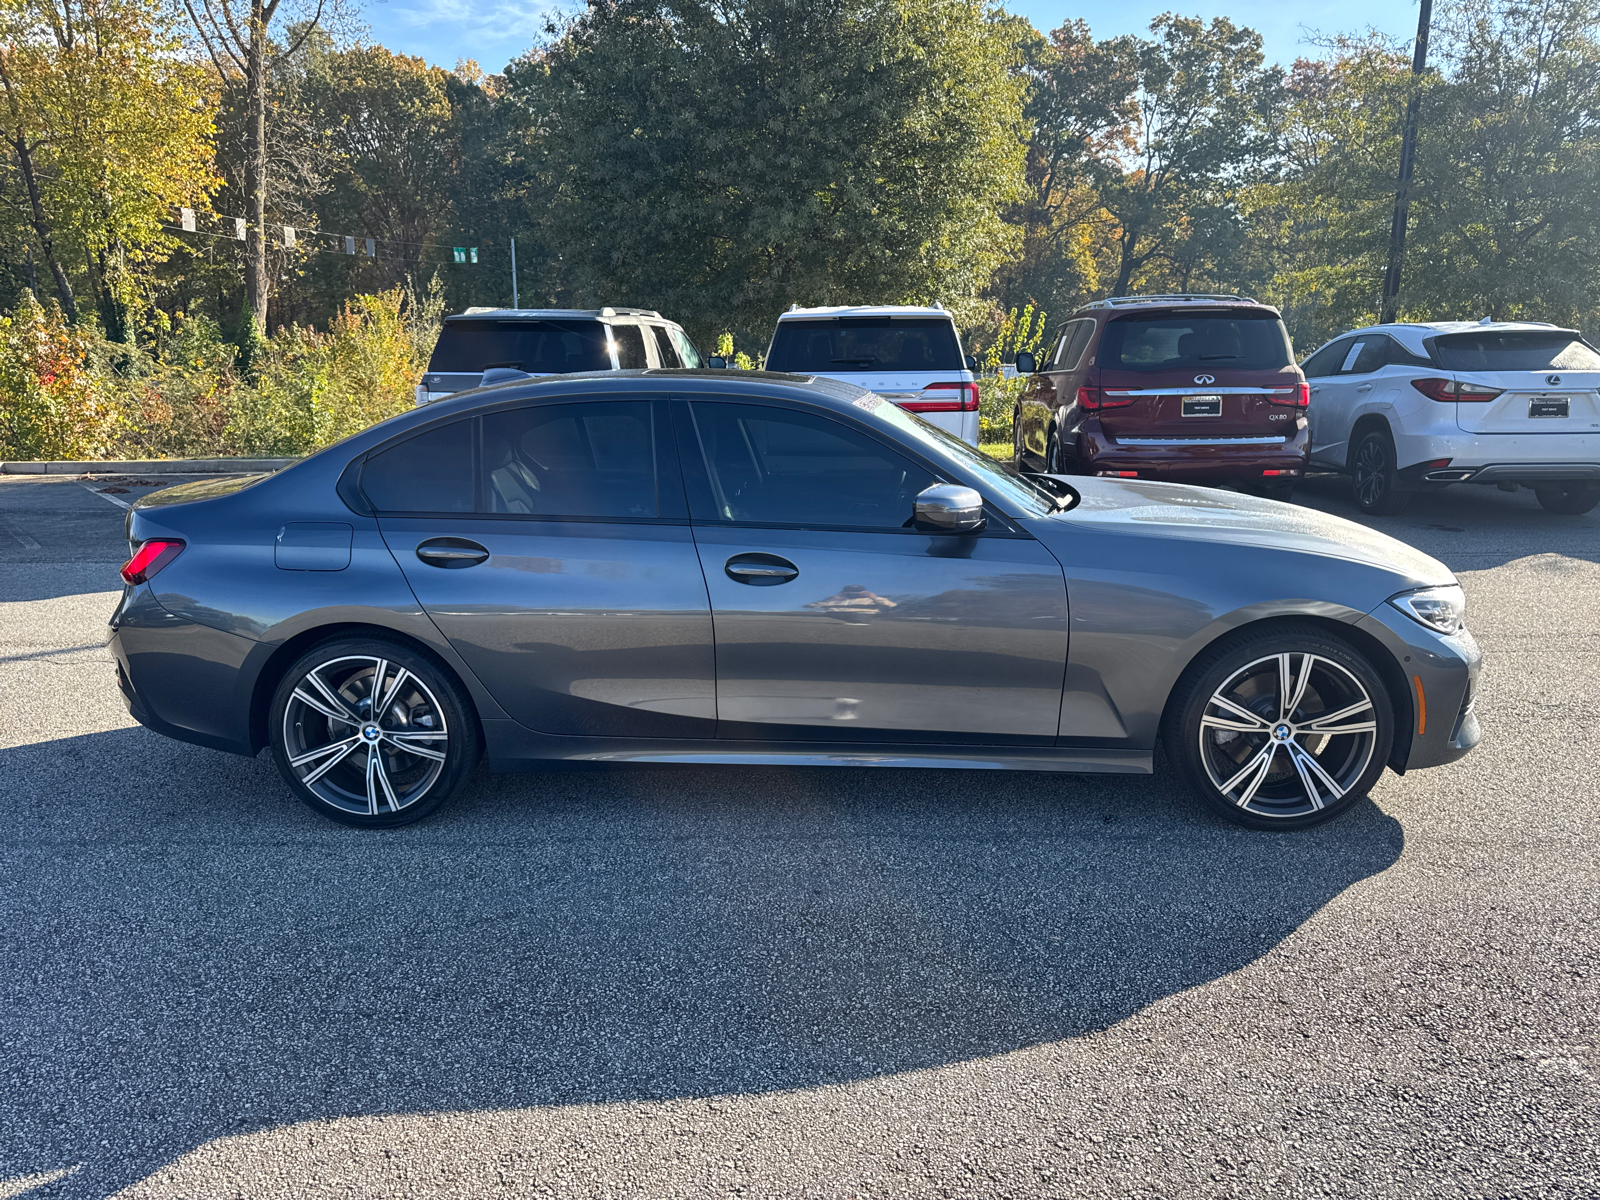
point(1571, 501)
point(1377, 481)
point(371, 732)
point(1282, 729)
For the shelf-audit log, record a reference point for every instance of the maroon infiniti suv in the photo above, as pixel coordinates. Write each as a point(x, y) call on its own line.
point(1191, 389)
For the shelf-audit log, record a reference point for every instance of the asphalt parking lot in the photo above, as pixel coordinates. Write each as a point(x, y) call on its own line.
point(681, 981)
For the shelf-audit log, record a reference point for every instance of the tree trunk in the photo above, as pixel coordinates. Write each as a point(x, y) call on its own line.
point(1125, 263)
point(41, 229)
point(257, 285)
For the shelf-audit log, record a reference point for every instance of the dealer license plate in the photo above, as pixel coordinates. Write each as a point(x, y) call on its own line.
point(1202, 406)
point(1549, 406)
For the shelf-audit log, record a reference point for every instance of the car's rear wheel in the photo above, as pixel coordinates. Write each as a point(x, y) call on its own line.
point(1377, 480)
point(1570, 501)
point(1052, 454)
point(372, 733)
point(1283, 729)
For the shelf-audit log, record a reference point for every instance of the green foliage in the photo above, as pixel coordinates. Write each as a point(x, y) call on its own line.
point(1018, 331)
point(720, 162)
point(65, 394)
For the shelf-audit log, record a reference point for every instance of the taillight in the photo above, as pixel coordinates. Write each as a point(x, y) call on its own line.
point(1450, 392)
point(966, 399)
point(150, 558)
point(1298, 396)
point(1092, 399)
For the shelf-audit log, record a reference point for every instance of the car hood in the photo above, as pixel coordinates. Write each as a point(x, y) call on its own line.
point(1199, 514)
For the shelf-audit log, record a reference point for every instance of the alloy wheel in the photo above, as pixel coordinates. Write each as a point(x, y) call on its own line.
point(1372, 471)
point(365, 735)
point(1287, 735)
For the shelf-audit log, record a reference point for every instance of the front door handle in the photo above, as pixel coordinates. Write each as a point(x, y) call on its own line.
point(451, 553)
point(761, 570)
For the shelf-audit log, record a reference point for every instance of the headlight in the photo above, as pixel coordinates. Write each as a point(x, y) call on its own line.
point(1439, 608)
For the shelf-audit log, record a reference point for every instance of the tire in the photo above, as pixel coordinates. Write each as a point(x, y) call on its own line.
point(373, 774)
point(1227, 734)
point(1572, 501)
point(1052, 454)
point(1019, 457)
point(1377, 487)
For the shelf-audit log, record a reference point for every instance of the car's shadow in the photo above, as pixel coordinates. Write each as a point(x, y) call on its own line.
point(188, 953)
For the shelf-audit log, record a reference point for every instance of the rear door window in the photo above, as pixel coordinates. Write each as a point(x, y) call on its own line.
point(774, 466)
point(666, 352)
point(828, 347)
point(430, 473)
point(1074, 338)
point(1515, 350)
point(538, 347)
point(1372, 355)
point(1170, 341)
point(590, 460)
point(630, 347)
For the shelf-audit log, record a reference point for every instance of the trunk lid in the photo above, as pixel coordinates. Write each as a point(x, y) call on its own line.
point(1532, 402)
point(1198, 406)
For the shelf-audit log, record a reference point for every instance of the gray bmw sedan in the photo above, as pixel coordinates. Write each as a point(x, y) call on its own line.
point(688, 566)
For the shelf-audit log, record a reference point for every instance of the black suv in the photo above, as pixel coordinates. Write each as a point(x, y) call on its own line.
point(493, 345)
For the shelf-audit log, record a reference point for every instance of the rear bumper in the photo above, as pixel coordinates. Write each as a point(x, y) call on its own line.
point(1192, 460)
point(180, 679)
point(1531, 473)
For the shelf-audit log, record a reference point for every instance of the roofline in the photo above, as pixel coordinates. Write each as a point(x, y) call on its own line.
point(548, 314)
point(1173, 297)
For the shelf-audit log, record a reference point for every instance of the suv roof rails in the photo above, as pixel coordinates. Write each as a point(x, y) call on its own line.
point(545, 313)
point(1114, 301)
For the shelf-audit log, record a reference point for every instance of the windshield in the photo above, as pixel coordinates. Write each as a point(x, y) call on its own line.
point(1515, 350)
point(1164, 341)
point(538, 347)
point(837, 344)
point(1029, 497)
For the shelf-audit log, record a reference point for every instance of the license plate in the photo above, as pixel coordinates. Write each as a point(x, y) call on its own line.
point(1202, 406)
point(1549, 406)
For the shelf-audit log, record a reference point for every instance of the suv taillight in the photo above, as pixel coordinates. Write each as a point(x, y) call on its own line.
point(150, 558)
point(965, 400)
point(1092, 399)
point(1298, 396)
point(1449, 391)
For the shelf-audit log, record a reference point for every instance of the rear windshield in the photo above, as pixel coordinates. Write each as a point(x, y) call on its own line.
point(538, 347)
point(1241, 341)
point(836, 344)
point(1514, 351)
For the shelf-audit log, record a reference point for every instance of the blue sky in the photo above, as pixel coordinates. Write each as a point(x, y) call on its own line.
point(495, 31)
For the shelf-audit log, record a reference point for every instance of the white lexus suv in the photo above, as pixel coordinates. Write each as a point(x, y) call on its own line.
point(909, 355)
point(1412, 407)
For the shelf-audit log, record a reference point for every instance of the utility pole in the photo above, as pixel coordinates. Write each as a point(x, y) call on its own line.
point(1408, 153)
point(514, 303)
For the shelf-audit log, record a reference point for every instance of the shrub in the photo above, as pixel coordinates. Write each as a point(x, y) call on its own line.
point(53, 403)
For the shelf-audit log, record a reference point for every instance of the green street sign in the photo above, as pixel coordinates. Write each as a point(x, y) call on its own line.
point(461, 254)
point(474, 253)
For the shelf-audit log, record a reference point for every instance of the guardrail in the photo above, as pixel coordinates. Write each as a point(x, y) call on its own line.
point(153, 466)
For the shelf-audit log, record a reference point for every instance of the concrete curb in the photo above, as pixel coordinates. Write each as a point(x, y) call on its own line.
point(156, 466)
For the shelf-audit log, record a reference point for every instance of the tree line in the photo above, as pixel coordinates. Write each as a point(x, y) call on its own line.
point(719, 160)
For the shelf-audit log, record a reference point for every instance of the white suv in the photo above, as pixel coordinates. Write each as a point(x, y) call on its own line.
point(1408, 408)
point(911, 356)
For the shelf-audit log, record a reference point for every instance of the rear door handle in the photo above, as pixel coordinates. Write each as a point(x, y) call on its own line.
point(451, 553)
point(1365, 387)
point(1316, 389)
point(761, 570)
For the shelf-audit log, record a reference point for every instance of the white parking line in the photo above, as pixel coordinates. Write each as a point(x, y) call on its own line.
point(103, 496)
point(27, 542)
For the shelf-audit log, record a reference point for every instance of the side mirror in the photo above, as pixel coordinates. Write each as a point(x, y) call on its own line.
point(717, 363)
point(1026, 363)
point(949, 508)
point(972, 364)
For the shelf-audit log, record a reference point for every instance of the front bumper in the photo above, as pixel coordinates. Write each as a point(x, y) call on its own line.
point(1435, 681)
